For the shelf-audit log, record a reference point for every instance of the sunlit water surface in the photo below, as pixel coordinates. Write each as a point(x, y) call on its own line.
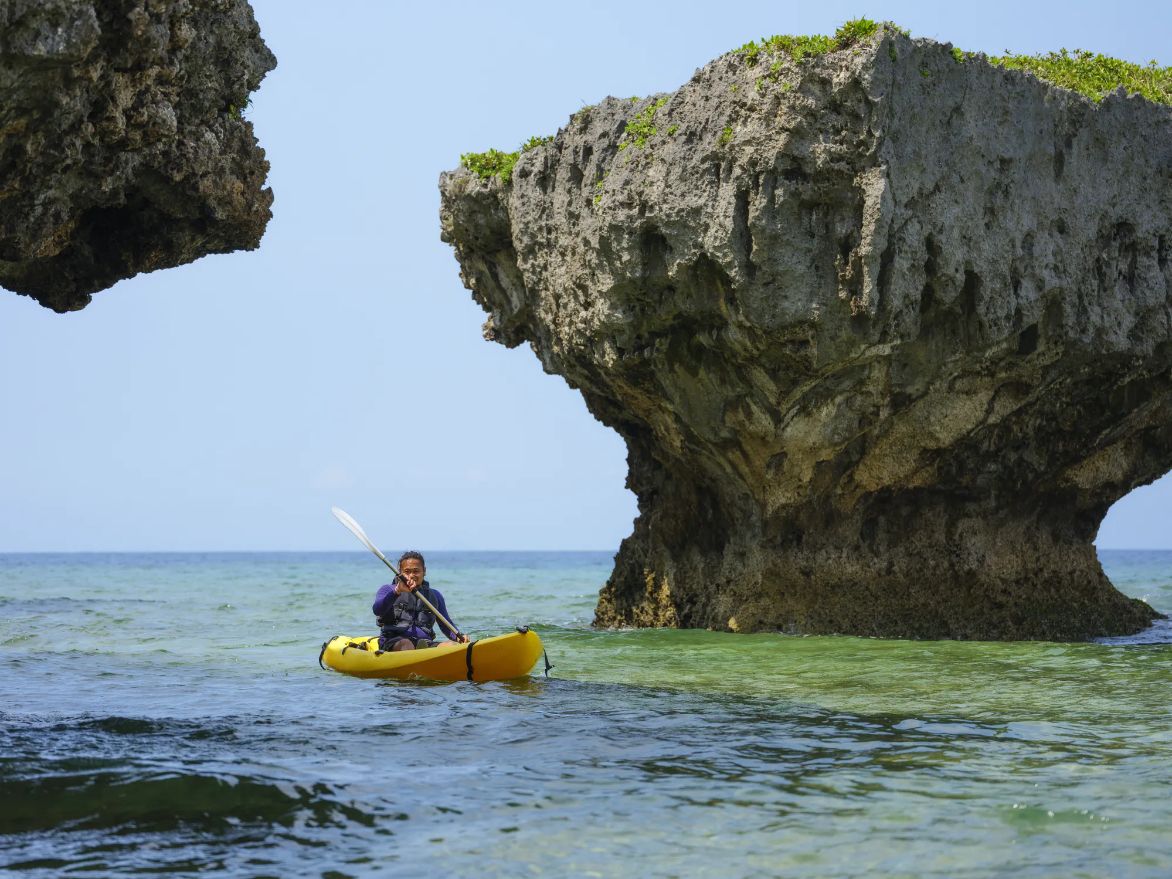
point(166, 713)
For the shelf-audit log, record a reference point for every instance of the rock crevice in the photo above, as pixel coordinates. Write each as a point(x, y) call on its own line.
point(886, 334)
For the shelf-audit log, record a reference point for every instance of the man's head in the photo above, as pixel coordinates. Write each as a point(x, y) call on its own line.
point(412, 566)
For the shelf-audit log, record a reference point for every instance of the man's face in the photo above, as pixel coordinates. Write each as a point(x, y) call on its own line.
point(413, 570)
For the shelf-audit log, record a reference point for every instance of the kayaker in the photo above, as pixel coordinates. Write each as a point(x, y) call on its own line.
point(405, 622)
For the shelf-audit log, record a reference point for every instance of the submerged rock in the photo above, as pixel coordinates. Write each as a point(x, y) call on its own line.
point(886, 330)
point(122, 146)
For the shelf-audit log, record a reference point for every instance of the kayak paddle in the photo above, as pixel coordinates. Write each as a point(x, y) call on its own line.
point(356, 529)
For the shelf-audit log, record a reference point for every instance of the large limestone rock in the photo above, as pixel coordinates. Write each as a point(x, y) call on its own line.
point(886, 335)
point(122, 147)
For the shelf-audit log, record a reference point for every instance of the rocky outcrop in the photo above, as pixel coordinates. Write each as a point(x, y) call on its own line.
point(122, 146)
point(886, 331)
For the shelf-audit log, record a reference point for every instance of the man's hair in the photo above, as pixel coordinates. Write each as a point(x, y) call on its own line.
point(412, 554)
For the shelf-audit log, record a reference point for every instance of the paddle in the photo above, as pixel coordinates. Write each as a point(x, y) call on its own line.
point(356, 529)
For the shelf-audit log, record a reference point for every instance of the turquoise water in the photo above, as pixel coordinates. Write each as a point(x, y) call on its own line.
point(166, 714)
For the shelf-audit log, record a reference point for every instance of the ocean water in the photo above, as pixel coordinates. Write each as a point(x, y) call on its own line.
point(165, 713)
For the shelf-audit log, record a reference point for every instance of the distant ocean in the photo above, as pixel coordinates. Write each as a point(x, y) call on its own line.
point(165, 713)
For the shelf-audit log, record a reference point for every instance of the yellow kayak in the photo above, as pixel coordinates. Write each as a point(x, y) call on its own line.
point(499, 658)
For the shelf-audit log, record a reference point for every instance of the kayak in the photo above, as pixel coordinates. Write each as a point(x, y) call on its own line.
point(499, 658)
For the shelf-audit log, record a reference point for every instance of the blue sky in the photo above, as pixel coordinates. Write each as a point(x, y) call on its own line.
point(225, 405)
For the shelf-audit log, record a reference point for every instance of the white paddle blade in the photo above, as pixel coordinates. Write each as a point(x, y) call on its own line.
point(348, 520)
point(355, 529)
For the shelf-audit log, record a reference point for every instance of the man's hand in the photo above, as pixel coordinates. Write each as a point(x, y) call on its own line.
point(461, 638)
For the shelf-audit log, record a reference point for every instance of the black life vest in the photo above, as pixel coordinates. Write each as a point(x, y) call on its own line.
point(407, 611)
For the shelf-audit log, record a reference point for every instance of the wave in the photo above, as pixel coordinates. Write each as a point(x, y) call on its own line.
point(143, 726)
point(111, 772)
point(123, 798)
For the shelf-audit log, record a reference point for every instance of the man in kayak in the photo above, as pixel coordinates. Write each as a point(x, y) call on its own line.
point(405, 622)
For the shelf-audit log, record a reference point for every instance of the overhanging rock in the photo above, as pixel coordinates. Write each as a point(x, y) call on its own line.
point(886, 333)
point(122, 145)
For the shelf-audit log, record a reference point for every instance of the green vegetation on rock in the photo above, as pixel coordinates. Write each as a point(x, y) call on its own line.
point(237, 110)
point(1087, 73)
point(495, 163)
point(642, 126)
point(855, 31)
point(598, 185)
point(491, 163)
point(796, 48)
point(1093, 75)
point(851, 33)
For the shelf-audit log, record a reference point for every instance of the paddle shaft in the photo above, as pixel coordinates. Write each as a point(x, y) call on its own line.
point(356, 529)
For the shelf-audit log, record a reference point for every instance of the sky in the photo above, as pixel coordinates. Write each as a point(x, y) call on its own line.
point(227, 404)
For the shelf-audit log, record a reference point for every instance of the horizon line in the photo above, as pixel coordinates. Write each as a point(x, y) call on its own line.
point(242, 551)
point(364, 552)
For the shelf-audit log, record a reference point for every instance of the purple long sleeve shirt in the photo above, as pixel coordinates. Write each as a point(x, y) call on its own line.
point(385, 597)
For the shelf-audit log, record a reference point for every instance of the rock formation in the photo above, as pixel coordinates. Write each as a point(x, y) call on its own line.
point(886, 331)
point(122, 147)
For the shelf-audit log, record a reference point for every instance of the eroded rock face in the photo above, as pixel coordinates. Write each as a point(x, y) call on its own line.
point(122, 147)
point(886, 335)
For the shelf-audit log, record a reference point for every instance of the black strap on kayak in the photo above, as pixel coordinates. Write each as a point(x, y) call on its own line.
point(357, 645)
point(321, 655)
point(548, 665)
point(468, 658)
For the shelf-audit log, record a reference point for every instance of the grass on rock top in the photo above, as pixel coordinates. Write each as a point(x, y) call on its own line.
point(851, 33)
point(1093, 75)
point(495, 163)
point(1087, 73)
